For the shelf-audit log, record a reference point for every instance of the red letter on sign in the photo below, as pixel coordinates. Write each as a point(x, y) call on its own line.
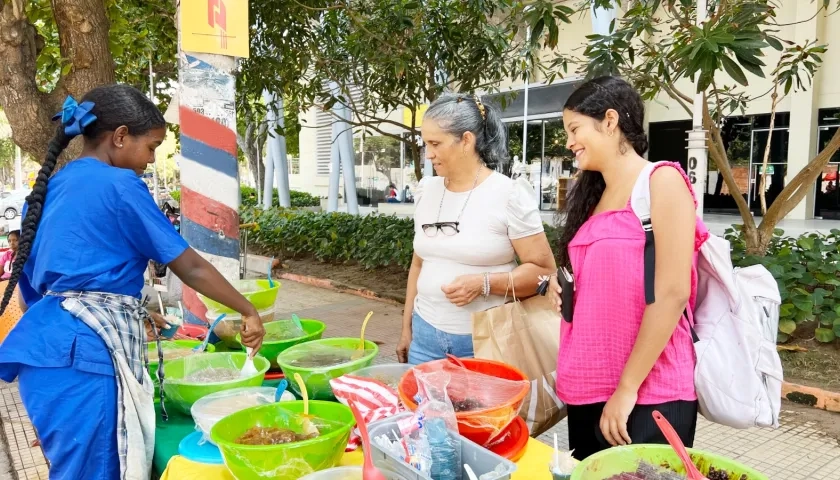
point(211, 12)
point(221, 19)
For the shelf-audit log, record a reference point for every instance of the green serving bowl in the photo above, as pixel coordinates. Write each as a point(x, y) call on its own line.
point(270, 350)
point(258, 292)
point(317, 379)
point(288, 461)
point(183, 394)
point(617, 460)
point(167, 344)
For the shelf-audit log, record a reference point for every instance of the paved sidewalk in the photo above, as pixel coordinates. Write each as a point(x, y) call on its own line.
point(796, 451)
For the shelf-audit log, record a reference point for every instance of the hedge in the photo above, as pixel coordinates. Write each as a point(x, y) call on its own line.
point(249, 198)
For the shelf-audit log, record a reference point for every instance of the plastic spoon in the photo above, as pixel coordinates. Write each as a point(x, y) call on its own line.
point(360, 352)
point(270, 281)
point(369, 470)
point(203, 346)
point(296, 319)
point(308, 427)
point(674, 439)
point(470, 472)
point(249, 369)
point(281, 389)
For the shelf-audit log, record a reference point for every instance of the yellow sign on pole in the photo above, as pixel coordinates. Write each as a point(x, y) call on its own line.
point(215, 26)
point(418, 120)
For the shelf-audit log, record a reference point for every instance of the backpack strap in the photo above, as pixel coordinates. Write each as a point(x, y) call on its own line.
point(640, 203)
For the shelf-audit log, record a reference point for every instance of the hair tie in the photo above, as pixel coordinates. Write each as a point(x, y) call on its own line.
point(480, 107)
point(75, 117)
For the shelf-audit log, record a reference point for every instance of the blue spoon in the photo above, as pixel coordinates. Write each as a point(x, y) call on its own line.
point(200, 348)
point(281, 389)
point(270, 281)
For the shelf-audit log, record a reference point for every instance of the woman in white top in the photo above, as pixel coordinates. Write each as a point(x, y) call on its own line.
point(471, 223)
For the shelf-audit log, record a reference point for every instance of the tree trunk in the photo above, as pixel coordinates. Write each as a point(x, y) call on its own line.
point(762, 188)
point(83, 32)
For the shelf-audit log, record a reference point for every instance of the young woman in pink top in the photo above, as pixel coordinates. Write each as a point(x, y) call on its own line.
point(620, 359)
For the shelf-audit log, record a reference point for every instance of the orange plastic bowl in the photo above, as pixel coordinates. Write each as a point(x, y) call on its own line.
point(482, 425)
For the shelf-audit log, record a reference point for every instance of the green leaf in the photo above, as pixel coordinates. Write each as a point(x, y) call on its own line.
point(824, 335)
point(733, 70)
point(787, 326)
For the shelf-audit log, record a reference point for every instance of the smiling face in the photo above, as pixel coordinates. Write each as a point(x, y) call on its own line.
point(443, 149)
point(592, 141)
point(135, 152)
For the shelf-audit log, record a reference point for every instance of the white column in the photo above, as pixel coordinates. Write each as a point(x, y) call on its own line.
point(802, 146)
point(698, 160)
point(18, 169)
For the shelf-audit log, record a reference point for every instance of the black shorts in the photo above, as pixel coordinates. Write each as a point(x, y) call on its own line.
point(585, 436)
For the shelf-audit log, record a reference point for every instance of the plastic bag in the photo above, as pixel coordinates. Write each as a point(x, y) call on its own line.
point(216, 406)
point(170, 351)
point(318, 362)
point(484, 405)
point(436, 413)
point(374, 400)
point(282, 330)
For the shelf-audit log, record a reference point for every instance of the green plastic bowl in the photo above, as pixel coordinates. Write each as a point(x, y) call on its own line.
point(177, 344)
point(258, 292)
point(288, 461)
point(317, 380)
point(618, 460)
point(270, 350)
point(182, 395)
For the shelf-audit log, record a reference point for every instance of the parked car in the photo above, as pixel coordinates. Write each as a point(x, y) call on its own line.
point(11, 203)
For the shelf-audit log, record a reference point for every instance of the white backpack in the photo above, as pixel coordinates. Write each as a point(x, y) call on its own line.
point(738, 376)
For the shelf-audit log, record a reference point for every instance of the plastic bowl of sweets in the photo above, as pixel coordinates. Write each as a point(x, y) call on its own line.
point(188, 379)
point(658, 462)
point(228, 329)
point(274, 441)
point(486, 394)
point(172, 349)
point(280, 335)
point(259, 292)
point(320, 361)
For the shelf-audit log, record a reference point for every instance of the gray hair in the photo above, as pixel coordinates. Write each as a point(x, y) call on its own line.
point(458, 113)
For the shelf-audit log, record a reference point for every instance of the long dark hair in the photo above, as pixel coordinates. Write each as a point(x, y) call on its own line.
point(593, 99)
point(114, 106)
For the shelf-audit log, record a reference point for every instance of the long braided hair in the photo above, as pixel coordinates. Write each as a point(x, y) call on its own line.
point(112, 106)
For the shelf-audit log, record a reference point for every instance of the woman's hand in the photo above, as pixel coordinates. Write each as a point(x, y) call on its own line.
point(555, 294)
point(464, 289)
point(252, 331)
point(403, 346)
point(161, 325)
point(615, 415)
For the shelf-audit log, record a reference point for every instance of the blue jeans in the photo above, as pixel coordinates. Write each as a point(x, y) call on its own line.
point(428, 343)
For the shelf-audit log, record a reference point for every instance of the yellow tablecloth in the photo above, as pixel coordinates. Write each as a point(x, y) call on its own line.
point(532, 466)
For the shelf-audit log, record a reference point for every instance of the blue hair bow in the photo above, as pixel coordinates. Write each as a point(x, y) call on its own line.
point(75, 117)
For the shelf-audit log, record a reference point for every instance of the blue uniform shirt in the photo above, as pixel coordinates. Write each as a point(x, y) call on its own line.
point(98, 230)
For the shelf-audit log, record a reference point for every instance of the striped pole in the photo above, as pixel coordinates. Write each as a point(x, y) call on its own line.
point(209, 170)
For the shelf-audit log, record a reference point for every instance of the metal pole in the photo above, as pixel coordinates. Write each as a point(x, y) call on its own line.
point(697, 152)
point(152, 98)
point(525, 112)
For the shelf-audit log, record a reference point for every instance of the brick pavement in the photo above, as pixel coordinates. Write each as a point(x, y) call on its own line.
point(796, 451)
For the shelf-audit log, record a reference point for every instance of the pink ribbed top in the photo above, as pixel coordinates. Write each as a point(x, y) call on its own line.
point(607, 256)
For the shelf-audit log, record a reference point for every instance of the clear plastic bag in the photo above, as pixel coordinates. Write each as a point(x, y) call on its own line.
point(318, 362)
point(484, 405)
point(437, 414)
point(170, 351)
point(216, 406)
point(284, 329)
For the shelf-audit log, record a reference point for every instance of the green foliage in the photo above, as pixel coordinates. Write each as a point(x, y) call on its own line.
point(298, 199)
point(807, 270)
point(176, 195)
point(371, 241)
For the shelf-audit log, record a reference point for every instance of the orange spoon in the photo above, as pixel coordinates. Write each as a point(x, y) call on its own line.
point(369, 470)
point(674, 439)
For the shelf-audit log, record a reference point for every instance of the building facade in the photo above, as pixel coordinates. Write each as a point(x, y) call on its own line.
point(805, 121)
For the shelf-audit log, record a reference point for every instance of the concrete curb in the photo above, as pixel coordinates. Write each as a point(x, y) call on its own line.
point(338, 287)
point(811, 397)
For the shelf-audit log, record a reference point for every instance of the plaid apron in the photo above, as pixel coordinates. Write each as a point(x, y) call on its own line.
point(118, 320)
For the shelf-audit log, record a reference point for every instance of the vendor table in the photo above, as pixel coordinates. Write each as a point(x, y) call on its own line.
point(168, 465)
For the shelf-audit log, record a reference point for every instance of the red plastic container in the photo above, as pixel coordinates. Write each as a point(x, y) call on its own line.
point(191, 330)
point(484, 425)
point(514, 441)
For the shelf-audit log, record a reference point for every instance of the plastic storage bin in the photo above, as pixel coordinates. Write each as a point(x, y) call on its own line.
point(349, 473)
point(478, 458)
